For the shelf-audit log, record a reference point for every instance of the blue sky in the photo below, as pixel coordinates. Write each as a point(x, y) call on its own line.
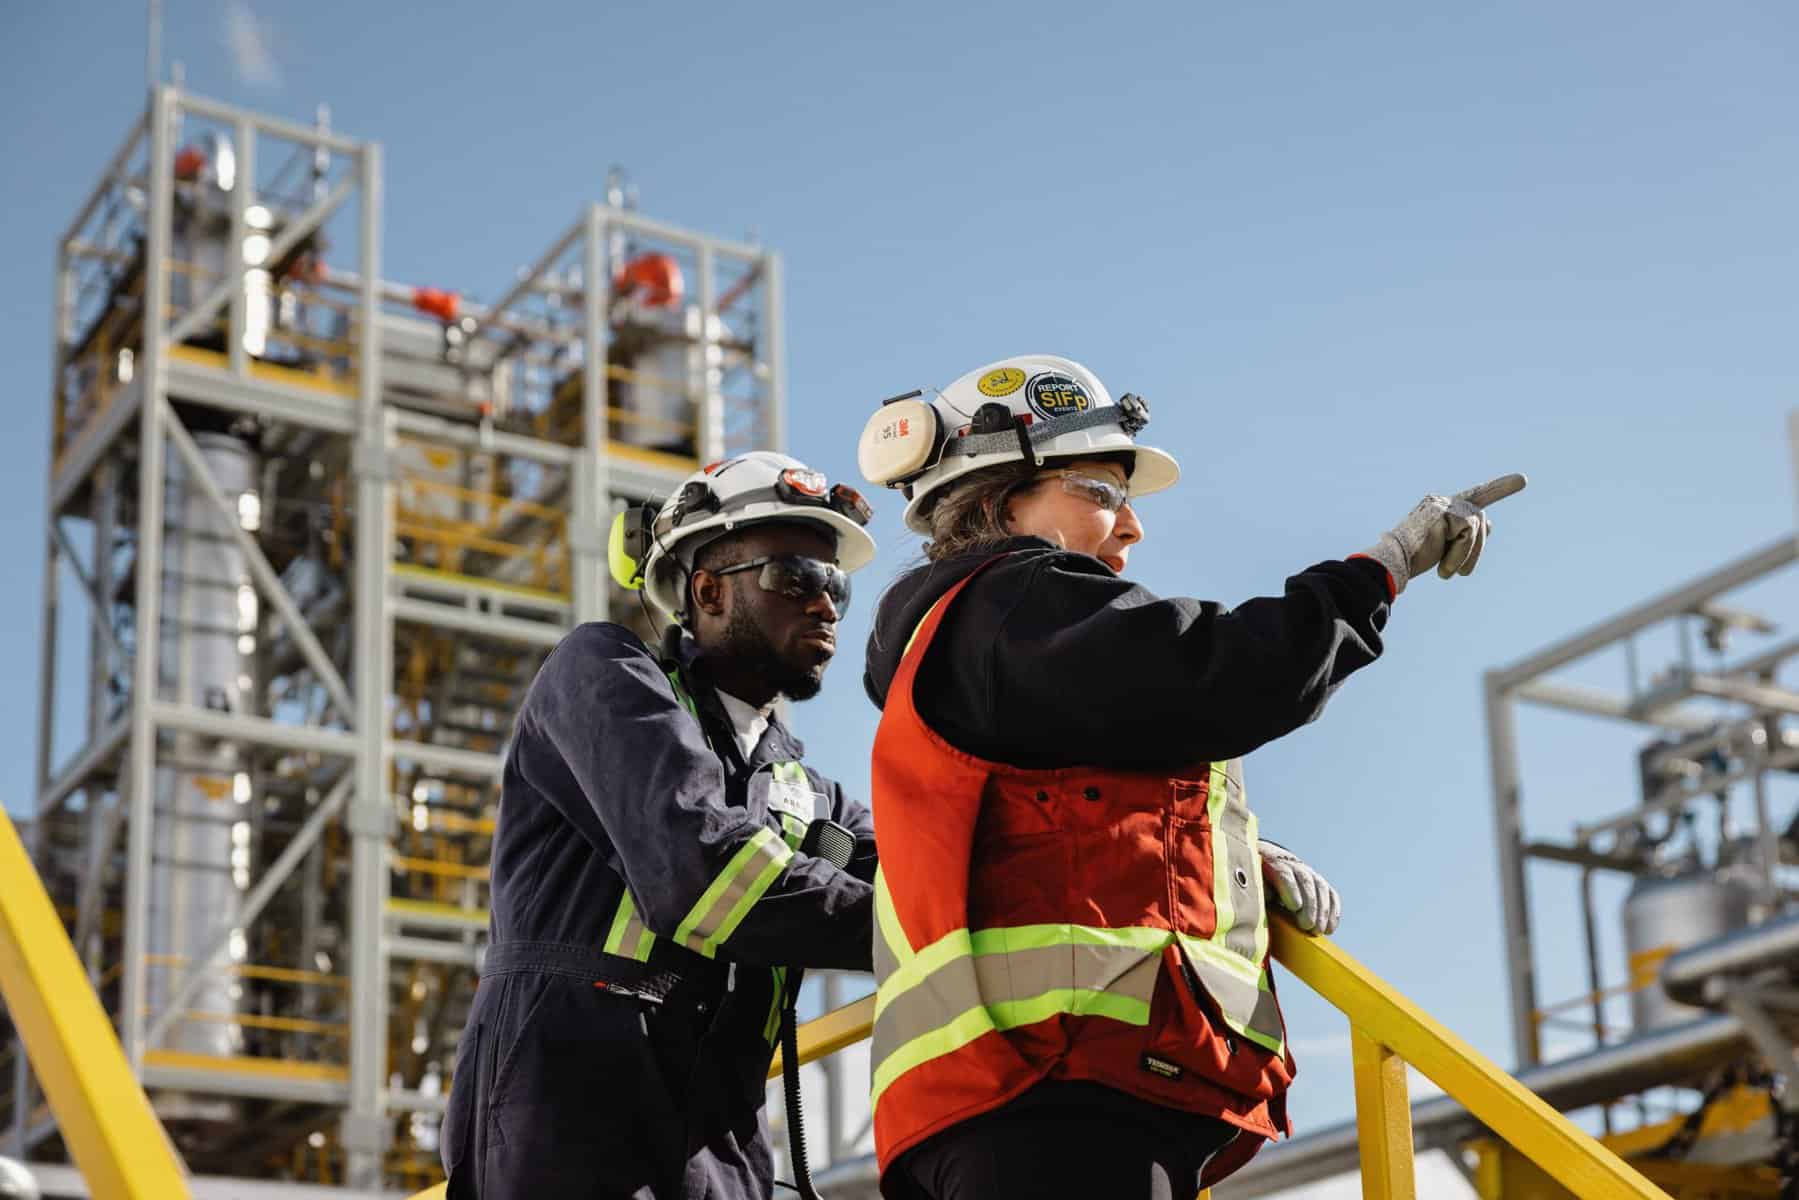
point(1352, 254)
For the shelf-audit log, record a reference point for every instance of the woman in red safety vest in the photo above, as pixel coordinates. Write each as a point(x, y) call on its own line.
point(1071, 940)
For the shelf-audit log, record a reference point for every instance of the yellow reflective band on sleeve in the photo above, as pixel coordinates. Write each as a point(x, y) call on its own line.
point(771, 1030)
point(723, 906)
point(629, 936)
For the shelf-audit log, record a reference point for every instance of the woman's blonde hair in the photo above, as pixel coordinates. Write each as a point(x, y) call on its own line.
point(971, 514)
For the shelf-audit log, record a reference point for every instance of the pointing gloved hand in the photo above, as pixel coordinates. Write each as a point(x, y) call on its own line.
point(1445, 532)
point(1314, 903)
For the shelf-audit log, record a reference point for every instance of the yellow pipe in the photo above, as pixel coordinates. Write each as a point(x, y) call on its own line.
point(431, 866)
point(101, 1110)
point(276, 1068)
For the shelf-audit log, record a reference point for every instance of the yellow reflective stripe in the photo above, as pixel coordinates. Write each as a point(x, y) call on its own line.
point(723, 905)
point(771, 1029)
point(628, 935)
point(1240, 989)
point(1009, 1014)
point(1217, 798)
point(793, 830)
point(891, 947)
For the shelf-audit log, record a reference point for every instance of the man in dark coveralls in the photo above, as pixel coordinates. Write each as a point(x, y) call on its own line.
point(650, 885)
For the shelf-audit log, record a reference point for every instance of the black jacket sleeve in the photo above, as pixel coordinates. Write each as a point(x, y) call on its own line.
point(704, 873)
point(1062, 662)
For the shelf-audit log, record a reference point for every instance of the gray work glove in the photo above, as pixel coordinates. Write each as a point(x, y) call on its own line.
point(1445, 532)
point(1314, 903)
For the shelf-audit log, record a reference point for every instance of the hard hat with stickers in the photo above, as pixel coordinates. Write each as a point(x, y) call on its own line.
point(653, 549)
point(1035, 406)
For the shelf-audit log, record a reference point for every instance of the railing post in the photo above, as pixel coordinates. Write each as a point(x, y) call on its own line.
point(1383, 1118)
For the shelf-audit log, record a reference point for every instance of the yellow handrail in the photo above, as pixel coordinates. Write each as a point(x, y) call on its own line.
point(102, 1113)
point(1387, 1033)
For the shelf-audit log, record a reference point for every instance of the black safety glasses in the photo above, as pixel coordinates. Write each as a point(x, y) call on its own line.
point(798, 577)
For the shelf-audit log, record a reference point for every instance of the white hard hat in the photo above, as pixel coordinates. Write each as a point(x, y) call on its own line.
point(1037, 404)
point(655, 552)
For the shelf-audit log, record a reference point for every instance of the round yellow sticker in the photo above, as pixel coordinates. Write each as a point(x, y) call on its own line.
point(1002, 382)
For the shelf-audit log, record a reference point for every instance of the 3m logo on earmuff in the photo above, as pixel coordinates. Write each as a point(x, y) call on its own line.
point(1053, 394)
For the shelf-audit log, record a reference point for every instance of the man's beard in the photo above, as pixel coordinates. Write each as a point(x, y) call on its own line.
point(747, 643)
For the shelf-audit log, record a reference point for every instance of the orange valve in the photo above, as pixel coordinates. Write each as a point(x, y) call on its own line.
point(189, 162)
point(655, 279)
point(437, 303)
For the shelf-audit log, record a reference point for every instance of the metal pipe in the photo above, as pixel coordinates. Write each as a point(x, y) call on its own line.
point(1772, 943)
point(1618, 1070)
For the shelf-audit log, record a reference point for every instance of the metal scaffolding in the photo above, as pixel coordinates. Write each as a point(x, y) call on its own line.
point(324, 528)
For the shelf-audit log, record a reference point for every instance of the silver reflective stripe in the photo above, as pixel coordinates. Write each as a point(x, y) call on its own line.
point(723, 906)
point(629, 936)
point(1244, 998)
point(1237, 868)
point(1010, 978)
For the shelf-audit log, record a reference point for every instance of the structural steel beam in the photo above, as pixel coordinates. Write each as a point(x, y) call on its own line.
point(425, 612)
point(103, 1114)
point(185, 718)
point(96, 604)
point(1683, 599)
point(76, 774)
point(1595, 703)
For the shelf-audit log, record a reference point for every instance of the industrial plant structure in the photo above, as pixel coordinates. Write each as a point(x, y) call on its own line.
point(322, 528)
point(312, 531)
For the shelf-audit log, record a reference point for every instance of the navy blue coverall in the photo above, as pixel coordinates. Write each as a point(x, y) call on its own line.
point(647, 895)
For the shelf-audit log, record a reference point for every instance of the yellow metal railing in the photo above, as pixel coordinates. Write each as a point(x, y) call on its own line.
point(102, 1113)
point(121, 1150)
point(1387, 1033)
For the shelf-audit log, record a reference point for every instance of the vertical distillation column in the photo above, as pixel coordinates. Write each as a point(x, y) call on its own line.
point(364, 1130)
point(200, 839)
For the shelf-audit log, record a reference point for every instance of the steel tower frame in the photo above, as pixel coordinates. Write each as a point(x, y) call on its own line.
point(102, 799)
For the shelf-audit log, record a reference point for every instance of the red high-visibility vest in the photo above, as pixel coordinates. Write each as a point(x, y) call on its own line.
point(1083, 924)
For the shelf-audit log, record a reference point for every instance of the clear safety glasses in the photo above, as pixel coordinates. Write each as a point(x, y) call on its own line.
point(798, 577)
point(1109, 494)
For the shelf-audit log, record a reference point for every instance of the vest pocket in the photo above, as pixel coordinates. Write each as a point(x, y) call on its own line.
point(1020, 847)
point(1187, 1026)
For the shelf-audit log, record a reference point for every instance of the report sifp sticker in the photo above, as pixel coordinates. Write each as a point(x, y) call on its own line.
point(1053, 394)
point(1001, 382)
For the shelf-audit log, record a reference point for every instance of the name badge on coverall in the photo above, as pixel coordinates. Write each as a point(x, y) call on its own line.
point(794, 797)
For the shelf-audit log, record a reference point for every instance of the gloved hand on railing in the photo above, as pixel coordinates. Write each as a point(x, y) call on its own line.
point(1302, 891)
